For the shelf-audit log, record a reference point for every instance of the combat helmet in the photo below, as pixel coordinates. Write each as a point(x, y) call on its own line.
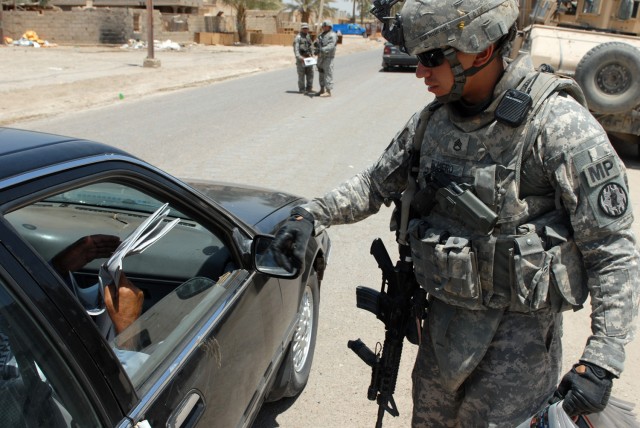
point(466, 25)
point(469, 26)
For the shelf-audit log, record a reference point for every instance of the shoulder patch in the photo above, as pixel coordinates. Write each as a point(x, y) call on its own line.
point(601, 170)
point(613, 200)
point(603, 183)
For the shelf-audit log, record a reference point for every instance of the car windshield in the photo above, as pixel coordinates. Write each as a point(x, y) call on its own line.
point(110, 195)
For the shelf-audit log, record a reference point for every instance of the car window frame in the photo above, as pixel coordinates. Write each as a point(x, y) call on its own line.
point(192, 202)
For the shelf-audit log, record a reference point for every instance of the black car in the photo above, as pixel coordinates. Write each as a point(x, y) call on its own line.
point(222, 328)
point(393, 56)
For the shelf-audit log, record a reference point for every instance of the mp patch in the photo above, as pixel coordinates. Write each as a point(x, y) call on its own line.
point(600, 171)
point(613, 200)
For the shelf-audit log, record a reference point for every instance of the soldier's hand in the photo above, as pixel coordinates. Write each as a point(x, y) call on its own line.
point(290, 243)
point(585, 389)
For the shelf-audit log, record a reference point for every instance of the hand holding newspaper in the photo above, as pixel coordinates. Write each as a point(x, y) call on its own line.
point(617, 414)
point(145, 235)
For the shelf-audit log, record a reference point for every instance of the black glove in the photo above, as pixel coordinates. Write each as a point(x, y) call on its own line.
point(290, 243)
point(585, 389)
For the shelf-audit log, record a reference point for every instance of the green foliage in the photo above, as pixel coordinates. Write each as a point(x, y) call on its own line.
point(309, 7)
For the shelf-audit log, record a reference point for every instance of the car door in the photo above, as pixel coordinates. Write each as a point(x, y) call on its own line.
point(47, 379)
point(203, 346)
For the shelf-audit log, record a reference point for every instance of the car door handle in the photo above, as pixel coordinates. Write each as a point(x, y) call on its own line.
point(188, 412)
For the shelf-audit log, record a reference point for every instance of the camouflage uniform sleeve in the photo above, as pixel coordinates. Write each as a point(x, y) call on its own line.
point(364, 194)
point(590, 181)
point(329, 43)
point(296, 47)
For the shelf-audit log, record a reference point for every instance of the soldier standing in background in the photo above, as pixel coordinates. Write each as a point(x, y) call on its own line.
point(303, 48)
point(326, 49)
point(522, 144)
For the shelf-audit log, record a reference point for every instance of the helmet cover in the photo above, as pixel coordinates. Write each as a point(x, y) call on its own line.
point(467, 25)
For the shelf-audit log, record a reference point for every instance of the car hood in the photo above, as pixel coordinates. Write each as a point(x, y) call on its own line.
point(259, 207)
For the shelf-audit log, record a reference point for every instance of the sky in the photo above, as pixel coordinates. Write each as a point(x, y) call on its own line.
point(345, 5)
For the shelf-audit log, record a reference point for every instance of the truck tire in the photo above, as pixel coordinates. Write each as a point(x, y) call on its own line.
point(609, 75)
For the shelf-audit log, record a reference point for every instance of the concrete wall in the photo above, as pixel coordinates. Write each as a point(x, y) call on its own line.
point(100, 25)
point(118, 25)
point(89, 26)
point(263, 21)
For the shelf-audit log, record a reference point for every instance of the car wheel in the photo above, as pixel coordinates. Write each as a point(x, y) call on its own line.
point(293, 373)
point(609, 75)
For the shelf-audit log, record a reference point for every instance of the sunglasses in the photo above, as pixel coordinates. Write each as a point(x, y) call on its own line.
point(432, 58)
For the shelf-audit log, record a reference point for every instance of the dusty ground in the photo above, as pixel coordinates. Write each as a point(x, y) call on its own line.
point(38, 82)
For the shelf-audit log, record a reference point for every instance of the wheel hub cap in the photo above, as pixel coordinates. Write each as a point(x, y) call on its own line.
point(302, 336)
point(613, 79)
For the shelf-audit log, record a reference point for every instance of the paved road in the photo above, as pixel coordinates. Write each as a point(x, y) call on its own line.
point(257, 130)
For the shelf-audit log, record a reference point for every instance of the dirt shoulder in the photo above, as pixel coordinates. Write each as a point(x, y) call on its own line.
point(42, 82)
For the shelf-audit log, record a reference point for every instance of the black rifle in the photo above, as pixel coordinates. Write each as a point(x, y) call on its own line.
point(391, 25)
point(382, 9)
point(400, 305)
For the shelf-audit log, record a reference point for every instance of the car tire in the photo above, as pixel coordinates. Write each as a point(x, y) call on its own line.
point(609, 75)
point(294, 371)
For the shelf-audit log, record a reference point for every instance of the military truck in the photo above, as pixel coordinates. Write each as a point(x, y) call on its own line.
point(597, 42)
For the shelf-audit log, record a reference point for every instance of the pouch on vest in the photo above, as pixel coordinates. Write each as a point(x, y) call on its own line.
point(547, 268)
point(446, 267)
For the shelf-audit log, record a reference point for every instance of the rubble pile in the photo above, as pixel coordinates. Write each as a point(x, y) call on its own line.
point(29, 38)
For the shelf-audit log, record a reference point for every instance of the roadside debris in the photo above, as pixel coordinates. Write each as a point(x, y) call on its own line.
point(29, 38)
point(163, 46)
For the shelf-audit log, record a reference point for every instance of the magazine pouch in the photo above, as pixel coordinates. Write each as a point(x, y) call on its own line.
point(446, 267)
point(547, 269)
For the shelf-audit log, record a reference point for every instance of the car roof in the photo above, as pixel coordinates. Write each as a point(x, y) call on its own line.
point(22, 151)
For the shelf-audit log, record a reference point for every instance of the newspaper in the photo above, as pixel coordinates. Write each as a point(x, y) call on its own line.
point(617, 414)
point(145, 235)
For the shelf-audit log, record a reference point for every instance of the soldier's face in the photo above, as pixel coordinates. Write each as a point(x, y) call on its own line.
point(439, 80)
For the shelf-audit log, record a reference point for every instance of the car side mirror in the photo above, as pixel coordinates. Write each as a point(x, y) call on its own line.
point(264, 261)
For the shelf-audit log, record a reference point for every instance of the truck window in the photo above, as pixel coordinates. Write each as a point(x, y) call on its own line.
point(591, 6)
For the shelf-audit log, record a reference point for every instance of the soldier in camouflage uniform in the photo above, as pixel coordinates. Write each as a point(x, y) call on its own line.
point(326, 50)
point(526, 146)
point(303, 48)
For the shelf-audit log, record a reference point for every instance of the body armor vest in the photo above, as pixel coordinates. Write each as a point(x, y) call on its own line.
point(528, 261)
point(305, 45)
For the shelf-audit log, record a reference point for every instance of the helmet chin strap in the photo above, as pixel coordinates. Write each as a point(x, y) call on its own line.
point(460, 74)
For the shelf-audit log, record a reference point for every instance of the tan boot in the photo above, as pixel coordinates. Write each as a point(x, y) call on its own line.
point(321, 91)
point(325, 94)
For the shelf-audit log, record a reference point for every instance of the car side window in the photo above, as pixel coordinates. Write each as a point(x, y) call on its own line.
point(182, 276)
point(37, 387)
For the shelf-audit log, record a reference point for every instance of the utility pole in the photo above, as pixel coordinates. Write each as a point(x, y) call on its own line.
point(319, 17)
point(150, 61)
point(1, 28)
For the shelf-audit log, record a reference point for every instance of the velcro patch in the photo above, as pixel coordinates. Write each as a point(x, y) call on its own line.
point(613, 200)
point(600, 171)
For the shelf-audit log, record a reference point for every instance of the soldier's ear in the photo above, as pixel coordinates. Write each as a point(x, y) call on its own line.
point(485, 56)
